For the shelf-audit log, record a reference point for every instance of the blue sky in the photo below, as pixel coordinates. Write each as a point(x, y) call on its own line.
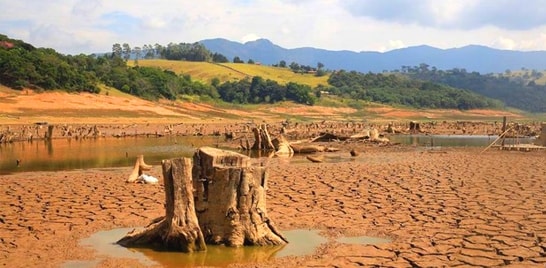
point(87, 26)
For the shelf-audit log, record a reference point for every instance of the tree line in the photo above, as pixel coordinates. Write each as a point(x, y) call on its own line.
point(516, 91)
point(24, 66)
point(399, 90)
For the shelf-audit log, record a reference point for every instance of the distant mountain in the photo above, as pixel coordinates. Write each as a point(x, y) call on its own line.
point(472, 58)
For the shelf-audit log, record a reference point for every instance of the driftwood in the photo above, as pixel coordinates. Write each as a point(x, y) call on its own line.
point(328, 137)
point(179, 229)
point(315, 159)
point(230, 199)
point(307, 149)
point(282, 147)
point(138, 168)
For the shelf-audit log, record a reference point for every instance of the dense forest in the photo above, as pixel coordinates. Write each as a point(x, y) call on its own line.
point(259, 90)
point(520, 92)
point(396, 89)
point(24, 66)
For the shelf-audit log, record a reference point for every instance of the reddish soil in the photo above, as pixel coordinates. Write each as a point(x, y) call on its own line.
point(455, 207)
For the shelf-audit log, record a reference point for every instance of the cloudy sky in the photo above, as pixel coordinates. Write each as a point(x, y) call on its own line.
point(87, 26)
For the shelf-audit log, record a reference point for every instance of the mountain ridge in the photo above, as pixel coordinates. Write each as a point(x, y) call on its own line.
point(471, 57)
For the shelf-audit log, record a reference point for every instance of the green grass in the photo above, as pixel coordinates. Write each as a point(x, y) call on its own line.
point(206, 71)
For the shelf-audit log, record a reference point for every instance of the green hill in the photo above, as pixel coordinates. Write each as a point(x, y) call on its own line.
point(206, 71)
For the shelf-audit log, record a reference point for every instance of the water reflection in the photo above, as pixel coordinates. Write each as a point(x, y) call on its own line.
point(454, 140)
point(301, 242)
point(62, 154)
point(68, 154)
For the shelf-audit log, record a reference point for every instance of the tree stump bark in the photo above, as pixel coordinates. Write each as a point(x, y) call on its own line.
point(230, 199)
point(179, 229)
point(262, 140)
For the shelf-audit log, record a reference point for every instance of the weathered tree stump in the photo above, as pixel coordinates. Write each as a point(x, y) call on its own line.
point(262, 140)
point(140, 166)
point(282, 146)
point(414, 127)
point(179, 229)
point(230, 199)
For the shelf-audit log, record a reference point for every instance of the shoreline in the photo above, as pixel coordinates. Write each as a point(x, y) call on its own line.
point(451, 207)
point(292, 130)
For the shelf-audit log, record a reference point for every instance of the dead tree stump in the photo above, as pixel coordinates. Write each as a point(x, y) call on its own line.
point(179, 229)
point(230, 199)
point(262, 140)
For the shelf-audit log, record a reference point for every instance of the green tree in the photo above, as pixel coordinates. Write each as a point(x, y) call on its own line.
point(126, 50)
point(116, 50)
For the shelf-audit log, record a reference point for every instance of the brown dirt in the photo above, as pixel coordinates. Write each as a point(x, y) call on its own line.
point(26, 107)
point(455, 207)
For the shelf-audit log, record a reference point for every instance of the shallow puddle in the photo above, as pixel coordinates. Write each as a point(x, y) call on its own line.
point(302, 242)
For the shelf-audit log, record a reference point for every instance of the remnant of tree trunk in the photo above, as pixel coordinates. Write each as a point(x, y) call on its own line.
point(314, 159)
point(262, 140)
point(354, 153)
point(307, 149)
point(542, 138)
point(137, 170)
point(328, 137)
point(414, 127)
point(179, 229)
point(282, 146)
point(49, 134)
point(230, 199)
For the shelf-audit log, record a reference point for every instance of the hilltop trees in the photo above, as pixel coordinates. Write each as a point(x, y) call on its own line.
point(23, 65)
point(516, 92)
point(393, 89)
point(259, 90)
point(186, 51)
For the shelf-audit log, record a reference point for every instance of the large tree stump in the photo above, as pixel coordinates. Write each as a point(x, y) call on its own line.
point(230, 199)
point(179, 229)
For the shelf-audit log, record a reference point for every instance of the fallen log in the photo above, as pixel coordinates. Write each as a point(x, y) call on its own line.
point(307, 149)
point(315, 159)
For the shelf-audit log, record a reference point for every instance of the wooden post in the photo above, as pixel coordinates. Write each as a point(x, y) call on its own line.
point(49, 134)
point(503, 129)
point(230, 199)
point(179, 229)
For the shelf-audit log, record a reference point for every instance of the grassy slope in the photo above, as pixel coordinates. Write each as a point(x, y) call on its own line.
point(205, 71)
point(113, 106)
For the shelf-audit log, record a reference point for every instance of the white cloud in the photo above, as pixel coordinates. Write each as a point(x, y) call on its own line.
point(249, 37)
point(86, 26)
point(504, 43)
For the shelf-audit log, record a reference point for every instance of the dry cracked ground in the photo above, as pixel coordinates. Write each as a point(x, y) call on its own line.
point(449, 207)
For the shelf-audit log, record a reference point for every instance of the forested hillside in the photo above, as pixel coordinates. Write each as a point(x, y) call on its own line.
point(516, 91)
point(24, 66)
point(396, 89)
